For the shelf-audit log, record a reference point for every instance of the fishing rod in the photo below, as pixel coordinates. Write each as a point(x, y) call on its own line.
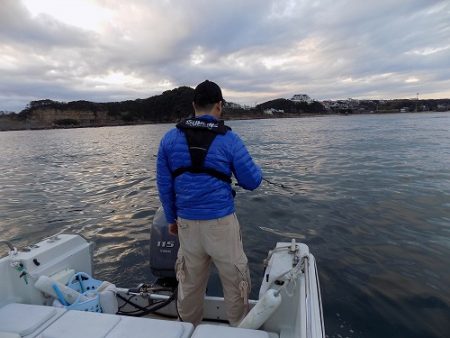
point(280, 185)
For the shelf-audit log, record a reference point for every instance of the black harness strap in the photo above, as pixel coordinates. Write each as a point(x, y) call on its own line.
point(200, 134)
point(212, 172)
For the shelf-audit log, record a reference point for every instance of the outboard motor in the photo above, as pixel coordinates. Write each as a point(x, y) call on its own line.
point(163, 248)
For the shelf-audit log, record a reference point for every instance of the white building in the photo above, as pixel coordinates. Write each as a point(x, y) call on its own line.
point(270, 111)
point(232, 105)
point(301, 98)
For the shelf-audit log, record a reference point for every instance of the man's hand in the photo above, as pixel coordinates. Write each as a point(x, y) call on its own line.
point(173, 229)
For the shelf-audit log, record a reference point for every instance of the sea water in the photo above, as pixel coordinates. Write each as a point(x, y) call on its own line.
point(369, 194)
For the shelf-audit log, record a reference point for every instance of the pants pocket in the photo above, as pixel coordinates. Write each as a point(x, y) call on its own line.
point(179, 269)
point(180, 275)
point(244, 278)
point(181, 224)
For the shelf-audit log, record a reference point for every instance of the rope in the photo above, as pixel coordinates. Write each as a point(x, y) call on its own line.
point(292, 275)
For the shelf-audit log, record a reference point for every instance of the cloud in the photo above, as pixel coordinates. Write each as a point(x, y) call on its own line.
point(256, 50)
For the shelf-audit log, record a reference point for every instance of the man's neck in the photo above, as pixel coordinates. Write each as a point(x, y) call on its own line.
point(198, 114)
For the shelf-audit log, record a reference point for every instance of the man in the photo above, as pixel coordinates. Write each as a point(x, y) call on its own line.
point(194, 167)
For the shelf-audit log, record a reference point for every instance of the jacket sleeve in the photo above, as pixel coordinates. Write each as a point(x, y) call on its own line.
point(164, 181)
point(247, 173)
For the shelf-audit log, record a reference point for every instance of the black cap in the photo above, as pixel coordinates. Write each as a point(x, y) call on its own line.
point(206, 93)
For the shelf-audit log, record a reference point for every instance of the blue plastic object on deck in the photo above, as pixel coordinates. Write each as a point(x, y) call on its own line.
point(87, 286)
point(59, 294)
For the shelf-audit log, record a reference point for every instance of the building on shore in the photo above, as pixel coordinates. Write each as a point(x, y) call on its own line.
point(232, 105)
point(271, 111)
point(301, 98)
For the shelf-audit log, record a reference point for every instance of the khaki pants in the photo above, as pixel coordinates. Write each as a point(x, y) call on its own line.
point(218, 240)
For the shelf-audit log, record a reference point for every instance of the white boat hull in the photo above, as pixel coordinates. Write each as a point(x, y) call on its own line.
point(291, 271)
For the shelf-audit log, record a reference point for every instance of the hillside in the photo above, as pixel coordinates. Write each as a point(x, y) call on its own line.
point(171, 106)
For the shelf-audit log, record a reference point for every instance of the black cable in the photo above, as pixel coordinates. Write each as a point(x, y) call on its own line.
point(125, 301)
point(159, 306)
point(137, 306)
point(146, 310)
point(138, 311)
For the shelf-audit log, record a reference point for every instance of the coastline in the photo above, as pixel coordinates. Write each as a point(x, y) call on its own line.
point(174, 105)
point(15, 125)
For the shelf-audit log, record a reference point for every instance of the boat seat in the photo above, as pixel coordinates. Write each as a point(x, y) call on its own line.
point(9, 335)
point(208, 331)
point(150, 328)
point(38, 321)
point(81, 324)
point(76, 324)
point(27, 320)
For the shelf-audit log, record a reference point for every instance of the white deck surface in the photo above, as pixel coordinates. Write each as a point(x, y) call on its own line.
point(37, 321)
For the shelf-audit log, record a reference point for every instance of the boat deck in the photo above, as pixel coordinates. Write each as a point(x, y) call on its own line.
point(38, 321)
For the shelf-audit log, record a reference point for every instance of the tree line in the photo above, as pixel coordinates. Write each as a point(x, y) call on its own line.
point(169, 106)
point(176, 104)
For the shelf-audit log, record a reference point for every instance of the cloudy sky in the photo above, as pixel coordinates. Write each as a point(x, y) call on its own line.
point(104, 50)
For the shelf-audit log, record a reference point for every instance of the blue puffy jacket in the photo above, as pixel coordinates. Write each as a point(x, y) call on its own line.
point(201, 196)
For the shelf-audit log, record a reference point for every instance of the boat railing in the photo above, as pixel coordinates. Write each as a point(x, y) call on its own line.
point(308, 295)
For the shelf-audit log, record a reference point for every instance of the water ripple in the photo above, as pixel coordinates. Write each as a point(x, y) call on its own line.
point(369, 194)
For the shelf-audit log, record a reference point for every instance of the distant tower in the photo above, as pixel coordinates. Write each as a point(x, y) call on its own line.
point(417, 100)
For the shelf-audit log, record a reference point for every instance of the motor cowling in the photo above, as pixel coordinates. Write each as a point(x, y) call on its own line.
point(163, 247)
